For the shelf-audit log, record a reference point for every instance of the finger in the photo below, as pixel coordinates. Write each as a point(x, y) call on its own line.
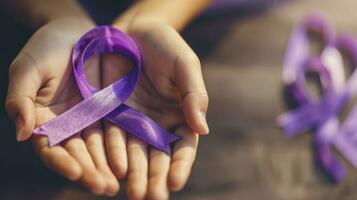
point(182, 159)
point(188, 77)
point(114, 67)
point(93, 138)
point(24, 83)
point(57, 158)
point(91, 178)
point(158, 172)
point(115, 141)
point(138, 169)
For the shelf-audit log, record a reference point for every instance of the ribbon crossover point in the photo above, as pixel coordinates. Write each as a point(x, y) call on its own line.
point(108, 102)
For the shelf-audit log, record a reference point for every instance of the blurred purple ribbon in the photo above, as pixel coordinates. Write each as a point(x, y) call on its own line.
point(321, 115)
point(108, 102)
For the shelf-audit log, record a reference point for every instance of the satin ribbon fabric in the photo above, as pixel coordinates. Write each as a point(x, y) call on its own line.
point(108, 102)
point(321, 114)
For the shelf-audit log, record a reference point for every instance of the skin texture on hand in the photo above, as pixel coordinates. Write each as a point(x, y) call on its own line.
point(41, 87)
point(171, 91)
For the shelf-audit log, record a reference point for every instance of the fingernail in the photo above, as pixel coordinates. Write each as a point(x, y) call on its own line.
point(204, 122)
point(19, 127)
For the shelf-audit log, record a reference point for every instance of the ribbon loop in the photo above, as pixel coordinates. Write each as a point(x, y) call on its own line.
point(108, 102)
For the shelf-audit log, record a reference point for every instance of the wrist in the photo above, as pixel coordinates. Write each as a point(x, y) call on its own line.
point(72, 23)
point(139, 23)
point(36, 13)
point(176, 14)
point(69, 29)
point(72, 19)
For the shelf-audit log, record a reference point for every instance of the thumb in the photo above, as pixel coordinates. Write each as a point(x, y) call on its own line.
point(24, 82)
point(189, 80)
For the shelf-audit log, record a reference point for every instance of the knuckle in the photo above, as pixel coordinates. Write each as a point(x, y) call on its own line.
point(137, 148)
point(155, 174)
point(73, 149)
point(10, 108)
point(120, 168)
point(204, 102)
point(136, 173)
point(13, 66)
point(93, 143)
point(204, 97)
point(191, 59)
point(200, 96)
point(24, 63)
point(23, 59)
point(116, 147)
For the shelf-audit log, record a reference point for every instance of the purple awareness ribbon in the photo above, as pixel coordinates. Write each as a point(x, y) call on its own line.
point(321, 115)
point(108, 102)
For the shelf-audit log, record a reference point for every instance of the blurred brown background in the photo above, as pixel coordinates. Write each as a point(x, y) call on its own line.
point(245, 156)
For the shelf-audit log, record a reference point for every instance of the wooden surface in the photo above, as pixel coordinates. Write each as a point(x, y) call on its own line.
point(245, 156)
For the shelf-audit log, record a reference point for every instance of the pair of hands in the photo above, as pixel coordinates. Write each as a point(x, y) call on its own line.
point(171, 91)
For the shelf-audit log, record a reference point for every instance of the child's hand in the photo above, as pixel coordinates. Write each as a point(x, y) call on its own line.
point(41, 87)
point(171, 91)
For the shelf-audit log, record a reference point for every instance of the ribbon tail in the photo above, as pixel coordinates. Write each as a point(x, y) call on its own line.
point(328, 161)
point(324, 155)
point(79, 116)
point(142, 127)
point(298, 120)
point(346, 140)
